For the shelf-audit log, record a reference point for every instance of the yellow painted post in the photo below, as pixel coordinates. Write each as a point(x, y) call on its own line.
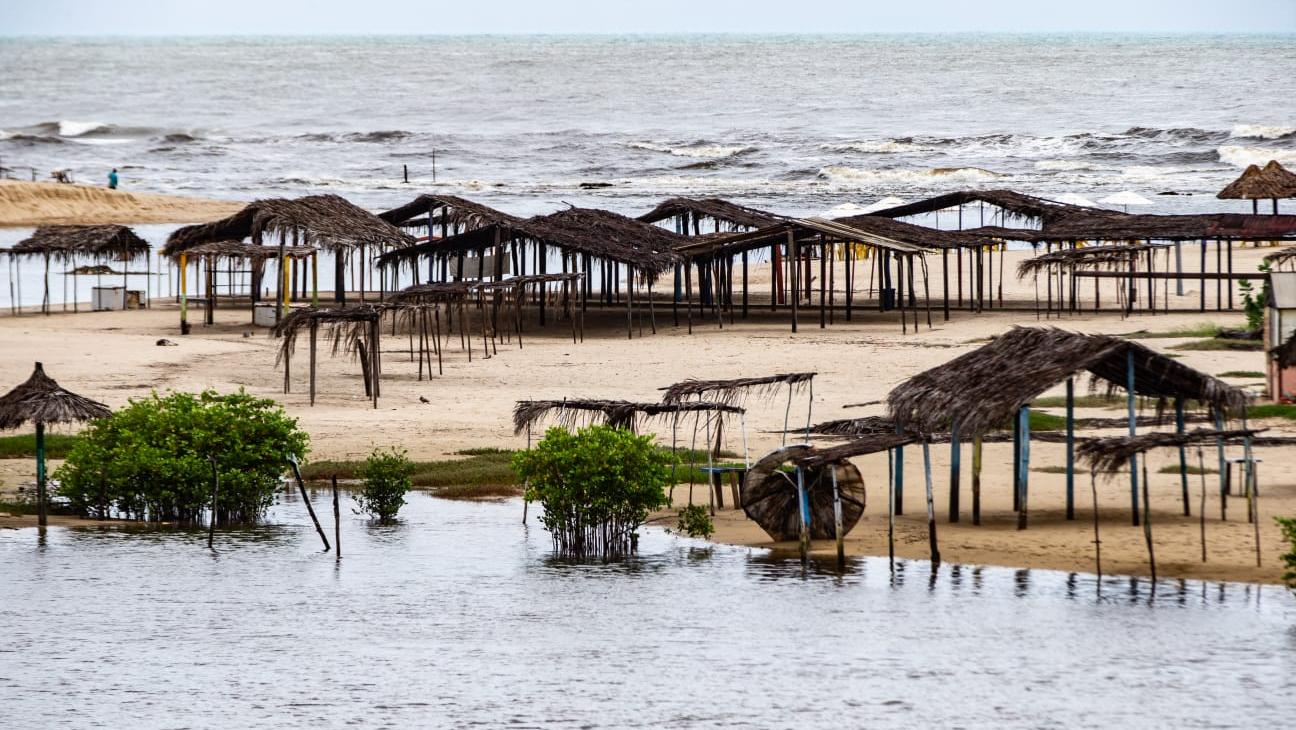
point(184, 294)
point(285, 273)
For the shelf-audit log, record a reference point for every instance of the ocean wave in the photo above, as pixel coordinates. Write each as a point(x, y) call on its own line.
point(1242, 155)
point(701, 150)
point(1176, 134)
point(879, 146)
point(842, 173)
point(1067, 165)
point(1262, 131)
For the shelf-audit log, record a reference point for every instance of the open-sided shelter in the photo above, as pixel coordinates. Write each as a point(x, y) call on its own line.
point(73, 245)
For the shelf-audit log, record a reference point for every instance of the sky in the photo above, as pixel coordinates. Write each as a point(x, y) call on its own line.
point(415, 17)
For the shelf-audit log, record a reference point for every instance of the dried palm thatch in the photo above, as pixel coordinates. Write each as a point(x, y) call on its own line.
point(1089, 257)
point(723, 211)
point(598, 233)
point(237, 250)
point(346, 327)
point(571, 412)
point(915, 234)
point(1281, 257)
point(438, 291)
point(41, 400)
point(323, 221)
point(736, 390)
point(1019, 204)
point(1113, 453)
point(1285, 354)
point(864, 426)
point(1272, 182)
point(769, 495)
point(117, 243)
point(983, 389)
point(452, 209)
point(873, 444)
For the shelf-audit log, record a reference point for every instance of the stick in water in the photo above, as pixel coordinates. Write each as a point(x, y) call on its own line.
point(337, 520)
point(211, 527)
point(301, 486)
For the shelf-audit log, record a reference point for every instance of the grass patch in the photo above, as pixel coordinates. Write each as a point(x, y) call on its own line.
point(1173, 469)
point(1081, 401)
point(1240, 374)
point(23, 446)
point(1202, 329)
point(1272, 410)
point(17, 506)
point(1052, 469)
point(1219, 343)
point(1040, 421)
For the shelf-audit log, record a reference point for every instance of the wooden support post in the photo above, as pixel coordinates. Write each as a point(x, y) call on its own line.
point(184, 294)
point(1133, 424)
point(1183, 456)
point(337, 521)
point(744, 285)
point(891, 508)
point(956, 454)
point(314, 332)
point(42, 500)
point(1147, 525)
point(1023, 474)
point(945, 308)
point(803, 504)
point(795, 264)
point(899, 477)
point(1070, 448)
point(823, 283)
point(1223, 465)
point(976, 479)
point(838, 533)
point(931, 506)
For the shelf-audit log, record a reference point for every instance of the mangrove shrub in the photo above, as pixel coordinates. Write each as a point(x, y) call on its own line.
point(152, 459)
point(386, 476)
point(1288, 526)
point(597, 486)
point(695, 522)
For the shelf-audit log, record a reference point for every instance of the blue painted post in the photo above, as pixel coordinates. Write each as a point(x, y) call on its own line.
point(803, 500)
point(1070, 449)
point(1183, 456)
point(1133, 424)
point(1223, 466)
point(899, 478)
point(1016, 478)
point(955, 469)
point(931, 506)
point(1023, 479)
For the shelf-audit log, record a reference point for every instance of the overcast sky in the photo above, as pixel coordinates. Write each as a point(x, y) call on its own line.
point(220, 17)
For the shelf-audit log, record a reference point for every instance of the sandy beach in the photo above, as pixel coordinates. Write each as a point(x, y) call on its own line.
point(47, 203)
point(112, 356)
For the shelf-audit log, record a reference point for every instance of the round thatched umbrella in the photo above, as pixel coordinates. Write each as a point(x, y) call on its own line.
point(770, 498)
point(41, 401)
point(1273, 182)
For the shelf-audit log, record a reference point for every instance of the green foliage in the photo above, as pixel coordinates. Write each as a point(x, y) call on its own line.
point(1203, 329)
point(386, 476)
point(149, 460)
point(23, 446)
point(695, 522)
point(1288, 526)
point(1253, 303)
point(1219, 343)
point(1272, 410)
point(1241, 374)
point(597, 487)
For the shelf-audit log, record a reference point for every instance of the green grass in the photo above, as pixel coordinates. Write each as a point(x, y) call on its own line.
point(1240, 374)
point(1174, 469)
point(17, 507)
point(1219, 343)
point(1272, 410)
point(1203, 329)
point(23, 446)
point(1081, 401)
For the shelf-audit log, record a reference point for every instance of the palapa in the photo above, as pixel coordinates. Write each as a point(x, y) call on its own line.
point(324, 221)
point(1089, 257)
point(104, 242)
point(735, 390)
point(1272, 182)
point(570, 412)
point(734, 215)
point(449, 209)
point(770, 498)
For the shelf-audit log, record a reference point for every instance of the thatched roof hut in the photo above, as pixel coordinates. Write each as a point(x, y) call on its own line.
point(449, 209)
point(1271, 182)
point(41, 400)
point(735, 390)
point(237, 250)
point(1018, 204)
point(570, 412)
point(693, 210)
point(982, 390)
point(1090, 257)
point(323, 221)
point(103, 242)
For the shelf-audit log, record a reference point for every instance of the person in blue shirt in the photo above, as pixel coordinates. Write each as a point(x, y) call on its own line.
point(112, 179)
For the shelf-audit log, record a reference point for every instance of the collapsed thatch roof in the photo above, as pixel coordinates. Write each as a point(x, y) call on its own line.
point(324, 221)
point(41, 400)
point(815, 458)
point(735, 215)
point(118, 243)
point(345, 326)
point(452, 209)
point(237, 250)
point(1088, 257)
point(983, 389)
point(863, 426)
point(1112, 453)
point(915, 234)
point(736, 389)
point(1273, 181)
point(568, 412)
point(810, 231)
point(598, 233)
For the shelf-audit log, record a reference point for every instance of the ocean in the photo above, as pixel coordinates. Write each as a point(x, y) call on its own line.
point(796, 124)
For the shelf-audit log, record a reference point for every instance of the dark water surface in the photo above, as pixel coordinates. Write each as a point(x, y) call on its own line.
point(459, 617)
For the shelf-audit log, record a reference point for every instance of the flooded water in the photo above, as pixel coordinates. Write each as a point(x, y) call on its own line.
point(460, 617)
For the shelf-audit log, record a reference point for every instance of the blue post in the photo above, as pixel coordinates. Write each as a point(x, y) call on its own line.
point(1183, 457)
point(1070, 449)
point(803, 500)
point(1023, 472)
point(1133, 424)
point(955, 469)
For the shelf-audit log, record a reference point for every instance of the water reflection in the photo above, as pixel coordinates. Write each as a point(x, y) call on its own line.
point(458, 615)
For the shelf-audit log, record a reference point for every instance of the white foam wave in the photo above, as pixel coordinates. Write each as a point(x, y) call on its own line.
point(698, 151)
point(1261, 131)
point(1243, 155)
point(842, 173)
point(1065, 165)
point(67, 128)
point(881, 147)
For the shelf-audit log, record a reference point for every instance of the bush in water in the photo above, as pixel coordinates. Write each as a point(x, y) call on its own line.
point(597, 487)
point(1288, 525)
point(386, 476)
point(150, 460)
point(695, 522)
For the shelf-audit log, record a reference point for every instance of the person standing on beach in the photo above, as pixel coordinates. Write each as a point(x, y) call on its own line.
point(112, 179)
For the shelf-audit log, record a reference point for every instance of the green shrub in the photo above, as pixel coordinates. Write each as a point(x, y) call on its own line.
point(23, 446)
point(1288, 526)
point(149, 460)
point(597, 487)
point(386, 476)
point(695, 522)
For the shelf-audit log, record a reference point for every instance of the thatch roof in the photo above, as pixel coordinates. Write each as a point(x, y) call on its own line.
point(569, 412)
point(724, 211)
point(118, 243)
point(863, 426)
point(599, 233)
point(237, 250)
point(915, 234)
point(736, 389)
point(1273, 181)
point(345, 326)
point(770, 497)
point(816, 458)
point(324, 221)
point(1089, 257)
point(985, 388)
point(809, 231)
point(451, 209)
point(1112, 453)
point(41, 400)
point(1019, 204)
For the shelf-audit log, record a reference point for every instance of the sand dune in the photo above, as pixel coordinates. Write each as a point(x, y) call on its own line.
point(41, 203)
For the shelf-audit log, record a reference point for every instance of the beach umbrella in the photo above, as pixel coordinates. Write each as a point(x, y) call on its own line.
point(1273, 182)
point(844, 210)
point(40, 400)
point(1125, 198)
point(770, 497)
point(883, 204)
point(1074, 199)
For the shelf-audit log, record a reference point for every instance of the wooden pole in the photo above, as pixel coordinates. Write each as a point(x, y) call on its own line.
point(211, 523)
point(301, 486)
point(956, 454)
point(1183, 457)
point(1147, 525)
point(337, 520)
point(1093, 487)
point(803, 503)
point(1023, 475)
point(1133, 422)
point(184, 294)
point(795, 262)
point(837, 518)
point(1201, 508)
point(931, 506)
point(41, 500)
point(1070, 448)
point(976, 479)
point(891, 508)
